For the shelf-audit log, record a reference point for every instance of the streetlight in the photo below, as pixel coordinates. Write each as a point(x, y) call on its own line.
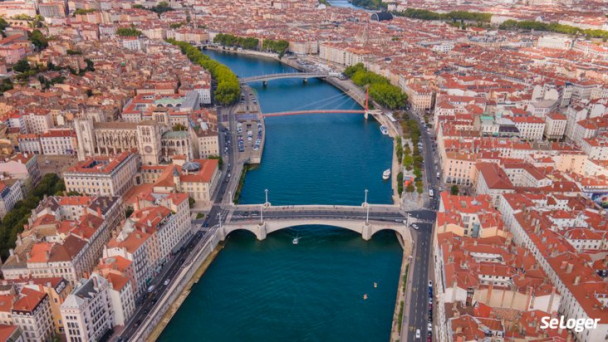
point(261, 214)
point(367, 210)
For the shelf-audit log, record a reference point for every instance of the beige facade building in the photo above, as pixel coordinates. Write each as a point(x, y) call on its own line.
point(105, 176)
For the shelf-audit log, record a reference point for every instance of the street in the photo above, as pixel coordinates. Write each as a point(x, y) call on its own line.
point(416, 310)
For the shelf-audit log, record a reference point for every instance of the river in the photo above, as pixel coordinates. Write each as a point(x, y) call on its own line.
point(342, 3)
point(273, 290)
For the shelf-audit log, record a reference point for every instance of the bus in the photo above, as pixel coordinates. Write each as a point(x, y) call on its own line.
point(431, 193)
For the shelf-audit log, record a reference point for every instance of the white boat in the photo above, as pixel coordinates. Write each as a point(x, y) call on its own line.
point(386, 174)
point(384, 130)
point(296, 241)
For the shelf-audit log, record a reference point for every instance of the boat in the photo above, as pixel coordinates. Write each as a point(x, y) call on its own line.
point(365, 296)
point(386, 174)
point(295, 241)
point(384, 130)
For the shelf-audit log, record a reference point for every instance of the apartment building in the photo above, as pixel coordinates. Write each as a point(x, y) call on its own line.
point(11, 191)
point(58, 142)
point(551, 227)
point(87, 312)
point(105, 176)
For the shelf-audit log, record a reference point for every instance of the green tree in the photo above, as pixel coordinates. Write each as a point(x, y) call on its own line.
point(380, 89)
point(128, 32)
point(5, 85)
point(39, 40)
point(130, 211)
point(228, 86)
point(22, 66)
point(410, 187)
point(454, 190)
point(14, 220)
point(220, 160)
point(191, 202)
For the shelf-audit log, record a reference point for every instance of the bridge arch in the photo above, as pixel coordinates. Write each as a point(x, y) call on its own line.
point(271, 226)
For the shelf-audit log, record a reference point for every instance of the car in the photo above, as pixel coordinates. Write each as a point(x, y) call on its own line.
point(151, 289)
point(154, 301)
point(415, 226)
point(430, 301)
point(429, 327)
point(166, 282)
point(138, 323)
point(430, 283)
point(146, 311)
point(417, 334)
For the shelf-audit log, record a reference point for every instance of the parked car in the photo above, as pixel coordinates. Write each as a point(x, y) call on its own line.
point(417, 334)
point(166, 282)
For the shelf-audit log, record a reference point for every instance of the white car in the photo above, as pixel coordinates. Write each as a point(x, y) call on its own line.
point(430, 327)
point(415, 226)
point(417, 334)
point(166, 282)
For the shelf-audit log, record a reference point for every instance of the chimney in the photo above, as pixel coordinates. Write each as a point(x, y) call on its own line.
point(577, 280)
point(570, 267)
point(563, 266)
point(47, 254)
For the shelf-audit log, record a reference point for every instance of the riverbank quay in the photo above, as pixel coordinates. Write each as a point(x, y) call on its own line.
point(193, 269)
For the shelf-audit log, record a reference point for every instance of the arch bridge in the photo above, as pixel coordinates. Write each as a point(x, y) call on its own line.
point(302, 75)
point(366, 229)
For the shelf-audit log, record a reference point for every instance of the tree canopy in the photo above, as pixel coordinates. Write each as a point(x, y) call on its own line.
point(12, 224)
point(39, 40)
point(552, 27)
point(453, 16)
point(277, 46)
point(248, 43)
point(228, 87)
point(128, 32)
point(380, 89)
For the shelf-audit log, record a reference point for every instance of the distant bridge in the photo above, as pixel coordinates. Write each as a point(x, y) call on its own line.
point(302, 75)
point(318, 111)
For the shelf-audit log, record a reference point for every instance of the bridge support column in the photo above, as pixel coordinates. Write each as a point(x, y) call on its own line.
point(366, 233)
point(366, 115)
point(260, 233)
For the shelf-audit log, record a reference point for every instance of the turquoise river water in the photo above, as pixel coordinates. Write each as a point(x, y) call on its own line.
point(273, 290)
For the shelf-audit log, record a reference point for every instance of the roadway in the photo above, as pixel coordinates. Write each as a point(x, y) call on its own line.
point(240, 215)
point(416, 311)
point(146, 302)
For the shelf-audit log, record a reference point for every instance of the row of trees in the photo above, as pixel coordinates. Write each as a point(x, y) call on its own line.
point(128, 32)
point(453, 16)
point(552, 27)
point(276, 46)
point(225, 39)
point(159, 9)
point(412, 160)
point(380, 89)
point(370, 4)
point(228, 87)
point(12, 224)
